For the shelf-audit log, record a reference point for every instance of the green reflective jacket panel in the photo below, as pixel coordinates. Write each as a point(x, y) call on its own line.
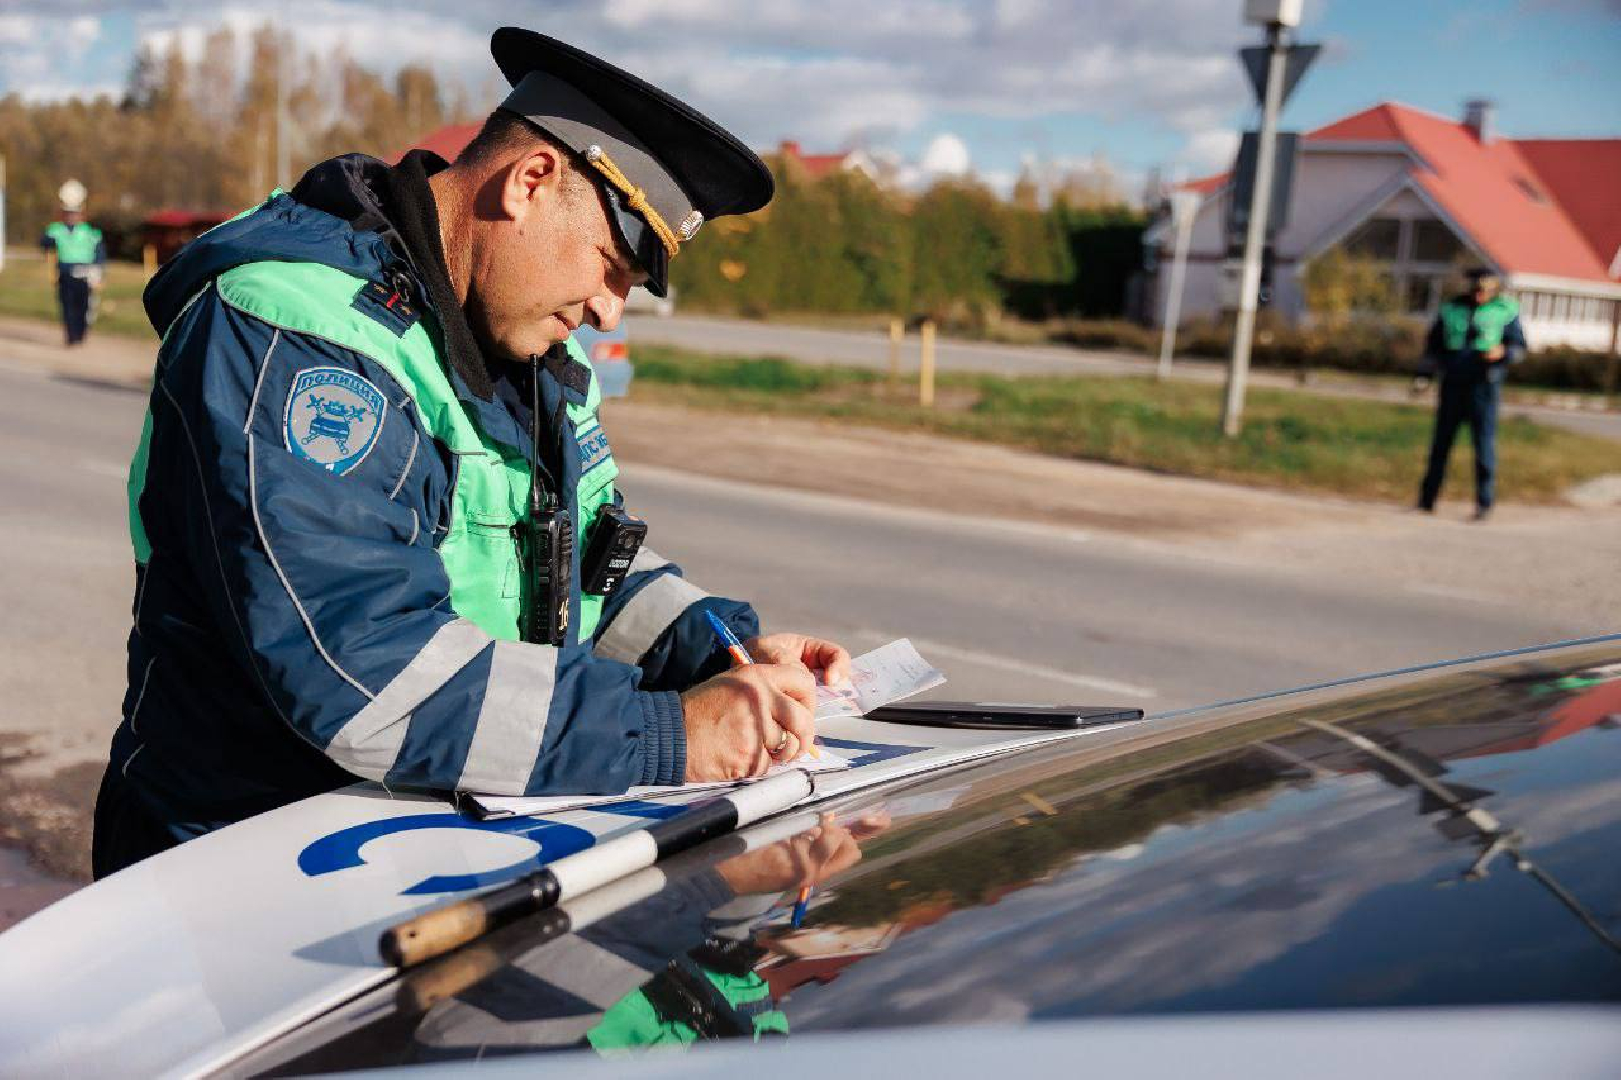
point(634, 1022)
point(1488, 322)
point(74, 244)
point(479, 548)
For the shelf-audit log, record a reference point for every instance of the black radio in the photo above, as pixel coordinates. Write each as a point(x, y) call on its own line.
point(615, 539)
point(548, 541)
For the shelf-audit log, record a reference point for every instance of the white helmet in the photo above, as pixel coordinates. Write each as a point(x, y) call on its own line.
point(72, 194)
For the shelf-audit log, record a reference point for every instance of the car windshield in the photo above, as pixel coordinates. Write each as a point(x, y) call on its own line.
point(1419, 842)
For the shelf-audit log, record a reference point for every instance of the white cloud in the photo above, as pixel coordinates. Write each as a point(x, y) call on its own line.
point(946, 155)
point(1209, 151)
point(378, 40)
point(832, 73)
point(34, 49)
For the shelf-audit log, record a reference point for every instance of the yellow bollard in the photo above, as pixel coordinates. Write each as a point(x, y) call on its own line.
point(897, 330)
point(149, 259)
point(925, 387)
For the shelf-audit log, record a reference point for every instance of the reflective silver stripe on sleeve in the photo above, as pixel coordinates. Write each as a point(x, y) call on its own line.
point(647, 559)
point(370, 742)
point(512, 721)
point(645, 616)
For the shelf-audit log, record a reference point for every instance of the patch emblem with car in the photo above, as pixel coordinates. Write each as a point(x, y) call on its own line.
point(332, 418)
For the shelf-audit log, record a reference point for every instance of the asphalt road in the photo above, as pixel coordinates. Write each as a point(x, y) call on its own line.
point(870, 349)
point(865, 348)
point(1010, 611)
point(1021, 612)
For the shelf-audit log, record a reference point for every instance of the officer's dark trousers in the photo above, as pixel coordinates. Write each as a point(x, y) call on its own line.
point(73, 294)
point(125, 830)
point(1472, 401)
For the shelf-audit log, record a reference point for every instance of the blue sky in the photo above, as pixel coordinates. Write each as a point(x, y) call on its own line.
point(992, 82)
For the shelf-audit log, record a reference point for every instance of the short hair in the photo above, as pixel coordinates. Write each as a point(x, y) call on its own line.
point(505, 134)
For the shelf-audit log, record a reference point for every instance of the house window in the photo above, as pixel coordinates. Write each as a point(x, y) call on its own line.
point(1433, 242)
point(1420, 294)
point(1376, 238)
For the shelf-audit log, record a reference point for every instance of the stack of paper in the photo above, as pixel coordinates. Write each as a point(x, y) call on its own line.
point(880, 677)
point(887, 674)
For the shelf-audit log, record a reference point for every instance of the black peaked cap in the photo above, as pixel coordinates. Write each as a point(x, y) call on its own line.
point(718, 173)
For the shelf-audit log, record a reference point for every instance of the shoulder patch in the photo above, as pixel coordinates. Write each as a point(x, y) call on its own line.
point(386, 305)
point(593, 447)
point(332, 417)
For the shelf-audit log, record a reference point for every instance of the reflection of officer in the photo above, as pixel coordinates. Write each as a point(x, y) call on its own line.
point(1474, 338)
point(670, 970)
point(368, 434)
point(80, 255)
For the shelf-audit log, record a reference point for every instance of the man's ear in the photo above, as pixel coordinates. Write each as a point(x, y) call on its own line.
point(532, 181)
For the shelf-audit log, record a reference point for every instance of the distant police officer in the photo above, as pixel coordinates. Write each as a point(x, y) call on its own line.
point(80, 255)
point(1474, 338)
point(372, 499)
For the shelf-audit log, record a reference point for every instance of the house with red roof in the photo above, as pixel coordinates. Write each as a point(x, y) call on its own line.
point(448, 142)
point(1425, 196)
point(816, 166)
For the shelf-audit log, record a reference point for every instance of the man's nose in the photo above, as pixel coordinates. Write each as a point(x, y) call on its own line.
point(604, 311)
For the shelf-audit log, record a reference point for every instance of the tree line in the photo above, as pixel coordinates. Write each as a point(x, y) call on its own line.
point(210, 132)
point(956, 252)
point(218, 130)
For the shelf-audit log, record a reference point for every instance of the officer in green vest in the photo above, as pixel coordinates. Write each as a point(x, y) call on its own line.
point(80, 255)
point(1476, 335)
point(374, 514)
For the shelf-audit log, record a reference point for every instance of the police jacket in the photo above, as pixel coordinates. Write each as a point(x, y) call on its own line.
point(1464, 331)
point(326, 513)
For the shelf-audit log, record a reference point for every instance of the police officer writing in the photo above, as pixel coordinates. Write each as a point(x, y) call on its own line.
point(368, 505)
point(1474, 338)
point(79, 255)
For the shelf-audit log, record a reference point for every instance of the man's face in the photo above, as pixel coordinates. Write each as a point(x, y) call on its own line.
point(552, 263)
point(1485, 289)
point(72, 217)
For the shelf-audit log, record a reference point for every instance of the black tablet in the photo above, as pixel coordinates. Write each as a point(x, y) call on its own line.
point(994, 714)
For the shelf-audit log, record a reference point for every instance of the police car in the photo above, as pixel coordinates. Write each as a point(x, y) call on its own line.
point(1406, 874)
point(609, 351)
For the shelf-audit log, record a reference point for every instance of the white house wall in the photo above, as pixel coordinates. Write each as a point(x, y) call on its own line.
point(1328, 187)
point(1546, 333)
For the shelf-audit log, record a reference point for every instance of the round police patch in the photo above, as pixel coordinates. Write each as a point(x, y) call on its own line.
point(333, 418)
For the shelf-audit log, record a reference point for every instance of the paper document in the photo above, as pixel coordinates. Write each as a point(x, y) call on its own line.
point(504, 805)
point(887, 674)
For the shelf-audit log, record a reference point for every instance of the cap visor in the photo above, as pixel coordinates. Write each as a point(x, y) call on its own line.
point(643, 243)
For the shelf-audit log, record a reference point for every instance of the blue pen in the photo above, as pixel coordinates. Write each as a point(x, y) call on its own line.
point(799, 907)
point(740, 655)
point(728, 640)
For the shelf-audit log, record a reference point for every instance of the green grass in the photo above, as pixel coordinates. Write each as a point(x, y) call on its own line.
point(28, 291)
point(1291, 439)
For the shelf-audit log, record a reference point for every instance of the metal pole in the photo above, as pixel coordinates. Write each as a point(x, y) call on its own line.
point(1182, 214)
point(1614, 362)
point(282, 40)
point(1232, 414)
